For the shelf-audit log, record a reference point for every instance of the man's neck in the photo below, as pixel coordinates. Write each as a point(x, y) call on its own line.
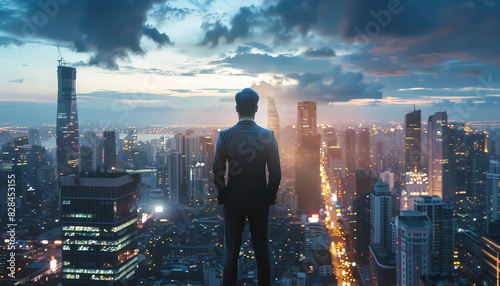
point(246, 118)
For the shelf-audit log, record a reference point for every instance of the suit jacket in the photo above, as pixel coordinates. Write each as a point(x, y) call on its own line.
point(247, 148)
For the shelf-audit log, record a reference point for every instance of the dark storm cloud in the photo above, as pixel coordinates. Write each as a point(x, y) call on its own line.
point(324, 52)
point(419, 33)
point(241, 24)
point(265, 63)
point(107, 30)
point(7, 41)
point(160, 39)
point(213, 32)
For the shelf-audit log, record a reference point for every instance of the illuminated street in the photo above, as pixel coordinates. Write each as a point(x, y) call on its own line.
point(340, 261)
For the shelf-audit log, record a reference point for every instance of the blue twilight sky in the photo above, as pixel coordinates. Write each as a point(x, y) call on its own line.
point(166, 62)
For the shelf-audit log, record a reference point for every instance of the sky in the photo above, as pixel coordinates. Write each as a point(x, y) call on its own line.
point(181, 62)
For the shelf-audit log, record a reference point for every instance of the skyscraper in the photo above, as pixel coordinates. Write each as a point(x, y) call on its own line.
point(493, 199)
point(380, 215)
point(477, 165)
point(435, 126)
point(99, 228)
point(413, 141)
point(416, 185)
point(413, 253)
point(109, 150)
point(364, 149)
point(455, 163)
point(273, 118)
point(307, 159)
point(306, 118)
point(67, 139)
point(350, 148)
point(440, 214)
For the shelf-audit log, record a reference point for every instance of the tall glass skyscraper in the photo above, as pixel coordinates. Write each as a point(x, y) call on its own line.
point(273, 118)
point(68, 147)
point(413, 141)
point(435, 131)
point(99, 228)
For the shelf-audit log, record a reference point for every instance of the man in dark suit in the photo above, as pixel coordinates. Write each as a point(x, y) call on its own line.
point(247, 148)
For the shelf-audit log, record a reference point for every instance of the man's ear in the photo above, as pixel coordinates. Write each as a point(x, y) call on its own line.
point(236, 107)
point(256, 108)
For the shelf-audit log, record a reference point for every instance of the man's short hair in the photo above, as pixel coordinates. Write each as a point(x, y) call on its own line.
point(246, 101)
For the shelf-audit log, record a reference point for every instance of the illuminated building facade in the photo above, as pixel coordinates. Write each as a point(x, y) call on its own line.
point(99, 227)
point(435, 157)
point(493, 199)
point(416, 185)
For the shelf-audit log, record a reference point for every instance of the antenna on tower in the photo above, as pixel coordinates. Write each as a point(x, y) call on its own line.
point(60, 59)
point(414, 108)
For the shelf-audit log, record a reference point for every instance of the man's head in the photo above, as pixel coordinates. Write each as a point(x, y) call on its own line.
point(246, 102)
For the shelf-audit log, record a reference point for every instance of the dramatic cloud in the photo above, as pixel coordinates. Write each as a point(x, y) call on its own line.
point(324, 52)
point(107, 30)
point(7, 41)
point(265, 63)
point(334, 85)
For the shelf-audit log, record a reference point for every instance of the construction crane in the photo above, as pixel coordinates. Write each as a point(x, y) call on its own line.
point(60, 59)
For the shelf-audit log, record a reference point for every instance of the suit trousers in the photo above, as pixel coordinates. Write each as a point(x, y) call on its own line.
point(234, 223)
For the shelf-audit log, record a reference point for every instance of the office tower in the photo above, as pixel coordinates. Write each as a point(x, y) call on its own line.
point(34, 136)
point(382, 262)
point(306, 118)
point(273, 118)
point(493, 199)
point(490, 265)
point(416, 185)
point(68, 136)
point(307, 159)
point(130, 140)
point(436, 158)
point(177, 188)
point(363, 180)
point(360, 216)
point(413, 256)
point(19, 141)
point(330, 136)
point(440, 214)
point(99, 229)
point(455, 163)
point(477, 165)
point(86, 159)
point(380, 215)
point(379, 157)
point(388, 178)
point(413, 142)
point(109, 150)
point(364, 149)
point(350, 148)
point(24, 161)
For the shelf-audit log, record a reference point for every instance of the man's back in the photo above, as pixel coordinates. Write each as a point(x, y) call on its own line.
point(247, 148)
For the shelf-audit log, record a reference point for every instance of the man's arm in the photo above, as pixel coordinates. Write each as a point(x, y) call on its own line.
point(274, 169)
point(219, 170)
